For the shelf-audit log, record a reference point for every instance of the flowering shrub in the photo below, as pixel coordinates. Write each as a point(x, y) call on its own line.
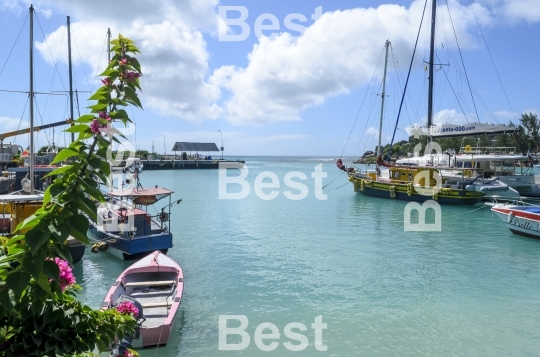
point(127, 307)
point(39, 315)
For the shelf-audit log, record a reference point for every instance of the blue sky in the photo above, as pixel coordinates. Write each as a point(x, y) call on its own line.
point(286, 93)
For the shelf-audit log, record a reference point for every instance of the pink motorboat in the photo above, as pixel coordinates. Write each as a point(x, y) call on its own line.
point(155, 285)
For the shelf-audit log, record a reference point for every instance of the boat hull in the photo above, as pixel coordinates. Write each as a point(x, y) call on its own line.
point(519, 222)
point(130, 249)
point(76, 249)
point(406, 193)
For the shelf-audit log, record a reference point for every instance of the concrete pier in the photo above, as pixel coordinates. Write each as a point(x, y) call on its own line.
point(186, 164)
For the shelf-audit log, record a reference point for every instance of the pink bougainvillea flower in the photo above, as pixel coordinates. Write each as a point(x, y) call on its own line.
point(104, 115)
point(66, 273)
point(94, 126)
point(131, 76)
point(127, 307)
point(128, 353)
point(105, 81)
point(123, 61)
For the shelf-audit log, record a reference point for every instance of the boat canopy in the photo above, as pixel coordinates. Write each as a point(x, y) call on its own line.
point(143, 194)
point(446, 130)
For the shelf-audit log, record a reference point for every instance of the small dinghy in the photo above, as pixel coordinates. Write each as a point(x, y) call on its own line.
point(154, 284)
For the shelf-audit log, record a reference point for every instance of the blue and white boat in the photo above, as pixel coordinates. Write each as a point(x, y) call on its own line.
point(126, 230)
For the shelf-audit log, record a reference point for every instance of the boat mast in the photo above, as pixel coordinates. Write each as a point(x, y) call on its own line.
point(31, 99)
point(431, 60)
point(387, 44)
point(70, 76)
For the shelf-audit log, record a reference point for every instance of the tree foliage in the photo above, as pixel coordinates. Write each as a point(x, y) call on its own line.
point(38, 317)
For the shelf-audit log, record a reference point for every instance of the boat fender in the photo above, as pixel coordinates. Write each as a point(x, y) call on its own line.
point(470, 188)
point(99, 247)
point(510, 217)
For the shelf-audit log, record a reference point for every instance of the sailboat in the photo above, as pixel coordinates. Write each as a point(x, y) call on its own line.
point(21, 204)
point(411, 183)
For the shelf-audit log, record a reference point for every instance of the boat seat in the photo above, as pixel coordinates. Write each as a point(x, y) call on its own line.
point(156, 304)
point(149, 283)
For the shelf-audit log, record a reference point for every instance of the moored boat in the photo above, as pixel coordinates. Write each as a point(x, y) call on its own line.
point(154, 285)
point(126, 230)
point(521, 218)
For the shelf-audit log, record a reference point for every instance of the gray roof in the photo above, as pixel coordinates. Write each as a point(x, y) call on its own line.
point(181, 146)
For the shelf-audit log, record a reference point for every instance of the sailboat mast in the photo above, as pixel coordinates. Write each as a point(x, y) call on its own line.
point(31, 99)
point(431, 60)
point(387, 44)
point(70, 76)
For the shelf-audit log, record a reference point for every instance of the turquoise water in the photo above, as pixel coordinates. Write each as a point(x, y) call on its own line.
point(470, 290)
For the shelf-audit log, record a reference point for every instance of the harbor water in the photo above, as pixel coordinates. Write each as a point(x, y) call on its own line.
point(469, 290)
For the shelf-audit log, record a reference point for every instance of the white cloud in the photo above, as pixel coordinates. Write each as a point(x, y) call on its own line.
point(174, 57)
point(372, 131)
point(506, 115)
point(11, 124)
point(286, 75)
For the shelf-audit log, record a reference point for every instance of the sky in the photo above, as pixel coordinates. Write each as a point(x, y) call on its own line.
point(298, 78)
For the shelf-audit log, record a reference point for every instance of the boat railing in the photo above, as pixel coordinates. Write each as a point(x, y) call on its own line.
point(493, 150)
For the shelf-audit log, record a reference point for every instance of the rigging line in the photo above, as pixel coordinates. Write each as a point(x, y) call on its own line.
point(342, 185)
point(455, 95)
point(328, 184)
point(52, 58)
point(358, 114)
point(493, 62)
point(80, 56)
point(407, 81)
point(100, 57)
point(398, 76)
point(462, 62)
point(26, 92)
point(16, 40)
point(20, 121)
point(41, 117)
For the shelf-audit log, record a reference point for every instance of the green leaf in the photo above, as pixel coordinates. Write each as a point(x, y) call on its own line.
point(61, 233)
point(18, 281)
point(31, 221)
point(7, 299)
point(91, 182)
point(37, 338)
point(16, 248)
point(87, 118)
point(31, 267)
point(12, 257)
point(50, 345)
point(36, 238)
point(87, 207)
point(43, 282)
point(84, 135)
point(132, 96)
point(105, 168)
point(64, 154)
point(60, 170)
point(79, 128)
point(95, 162)
point(96, 108)
point(51, 270)
point(81, 237)
point(92, 191)
point(15, 239)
